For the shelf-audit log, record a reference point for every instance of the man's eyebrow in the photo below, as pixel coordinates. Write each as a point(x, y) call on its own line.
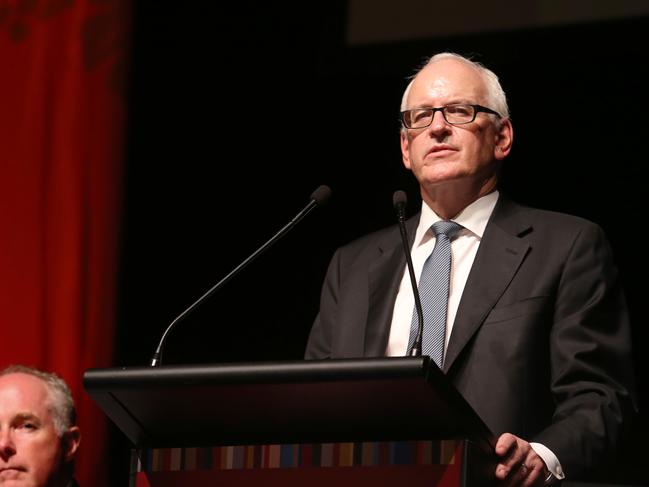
point(27, 416)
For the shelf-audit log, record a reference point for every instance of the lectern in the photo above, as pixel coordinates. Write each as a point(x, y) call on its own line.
point(388, 421)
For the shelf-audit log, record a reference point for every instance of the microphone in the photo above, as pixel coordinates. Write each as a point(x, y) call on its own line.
point(400, 201)
point(318, 197)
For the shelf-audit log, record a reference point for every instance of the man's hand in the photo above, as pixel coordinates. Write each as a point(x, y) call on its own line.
point(519, 464)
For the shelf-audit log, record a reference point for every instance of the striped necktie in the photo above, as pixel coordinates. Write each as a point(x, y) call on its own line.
point(433, 291)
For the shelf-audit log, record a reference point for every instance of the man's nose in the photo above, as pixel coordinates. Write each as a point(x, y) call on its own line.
point(439, 125)
point(7, 445)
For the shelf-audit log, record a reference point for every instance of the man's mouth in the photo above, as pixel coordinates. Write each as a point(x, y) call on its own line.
point(8, 472)
point(441, 148)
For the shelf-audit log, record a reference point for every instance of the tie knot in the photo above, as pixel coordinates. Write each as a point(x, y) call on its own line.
point(446, 227)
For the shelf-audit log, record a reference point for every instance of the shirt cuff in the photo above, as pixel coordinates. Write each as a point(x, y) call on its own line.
point(550, 459)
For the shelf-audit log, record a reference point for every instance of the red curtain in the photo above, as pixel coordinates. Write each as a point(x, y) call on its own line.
point(62, 115)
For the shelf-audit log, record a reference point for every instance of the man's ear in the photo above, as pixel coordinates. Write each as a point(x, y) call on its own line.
point(504, 140)
point(70, 441)
point(405, 146)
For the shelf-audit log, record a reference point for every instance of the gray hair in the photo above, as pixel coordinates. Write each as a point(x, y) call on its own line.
point(496, 98)
point(61, 403)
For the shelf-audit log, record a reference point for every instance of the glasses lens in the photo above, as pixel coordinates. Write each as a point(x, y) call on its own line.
point(459, 113)
point(417, 118)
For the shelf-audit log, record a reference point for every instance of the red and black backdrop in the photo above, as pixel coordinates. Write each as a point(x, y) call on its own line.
point(146, 151)
point(62, 130)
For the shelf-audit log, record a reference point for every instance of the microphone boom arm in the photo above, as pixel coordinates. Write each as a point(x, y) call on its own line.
point(320, 195)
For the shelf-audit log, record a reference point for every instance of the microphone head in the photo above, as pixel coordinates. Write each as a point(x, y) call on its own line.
point(321, 195)
point(399, 199)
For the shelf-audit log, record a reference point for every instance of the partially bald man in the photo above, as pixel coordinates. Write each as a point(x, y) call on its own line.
point(533, 328)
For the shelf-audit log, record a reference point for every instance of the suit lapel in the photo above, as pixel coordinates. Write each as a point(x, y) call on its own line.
point(385, 274)
point(499, 256)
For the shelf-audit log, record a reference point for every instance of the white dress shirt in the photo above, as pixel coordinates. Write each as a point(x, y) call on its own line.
point(464, 248)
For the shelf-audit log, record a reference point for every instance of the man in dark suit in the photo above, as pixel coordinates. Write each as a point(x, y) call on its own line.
point(536, 333)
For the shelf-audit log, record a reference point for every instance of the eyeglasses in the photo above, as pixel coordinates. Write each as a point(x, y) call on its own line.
point(455, 114)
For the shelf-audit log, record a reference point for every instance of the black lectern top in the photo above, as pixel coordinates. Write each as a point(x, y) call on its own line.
point(285, 402)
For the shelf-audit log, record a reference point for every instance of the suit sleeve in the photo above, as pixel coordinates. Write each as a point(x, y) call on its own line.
point(590, 354)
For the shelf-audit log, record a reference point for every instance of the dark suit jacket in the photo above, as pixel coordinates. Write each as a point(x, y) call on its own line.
point(540, 345)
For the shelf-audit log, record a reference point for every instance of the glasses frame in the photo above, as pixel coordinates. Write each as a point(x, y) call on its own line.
point(476, 109)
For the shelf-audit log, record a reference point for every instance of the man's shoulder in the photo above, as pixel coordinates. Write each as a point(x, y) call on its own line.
point(539, 218)
point(374, 238)
point(382, 239)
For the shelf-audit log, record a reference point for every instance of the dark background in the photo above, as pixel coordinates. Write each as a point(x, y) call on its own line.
point(238, 112)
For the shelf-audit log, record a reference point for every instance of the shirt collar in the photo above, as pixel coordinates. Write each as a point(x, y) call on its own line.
point(473, 218)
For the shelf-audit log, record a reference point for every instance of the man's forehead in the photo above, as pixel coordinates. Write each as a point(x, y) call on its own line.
point(23, 392)
point(448, 79)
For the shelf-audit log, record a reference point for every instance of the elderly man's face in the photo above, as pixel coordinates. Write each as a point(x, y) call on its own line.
point(31, 451)
point(442, 153)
